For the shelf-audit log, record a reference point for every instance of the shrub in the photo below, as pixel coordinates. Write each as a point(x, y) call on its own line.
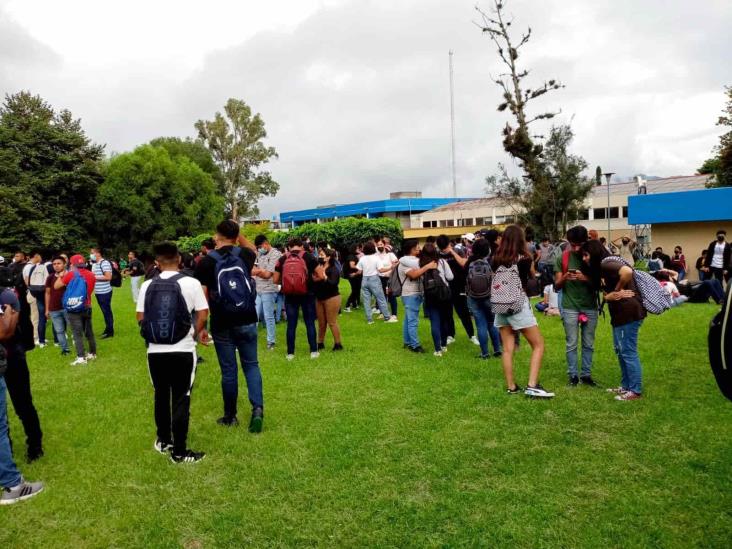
point(344, 233)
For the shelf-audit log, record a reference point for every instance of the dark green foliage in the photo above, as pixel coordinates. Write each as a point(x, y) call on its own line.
point(193, 150)
point(49, 176)
point(721, 165)
point(148, 196)
point(192, 244)
point(344, 233)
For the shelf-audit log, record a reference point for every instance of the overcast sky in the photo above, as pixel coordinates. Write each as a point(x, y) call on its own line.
point(355, 93)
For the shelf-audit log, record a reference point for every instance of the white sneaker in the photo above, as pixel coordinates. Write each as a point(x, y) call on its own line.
point(538, 392)
point(314, 355)
point(347, 310)
point(290, 357)
point(444, 349)
point(56, 345)
point(450, 340)
point(90, 356)
point(475, 341)
point(79, 362)
point(41, 345)
point(392, 320)
point(437, 353)
point(374, 311)
point(370, 322)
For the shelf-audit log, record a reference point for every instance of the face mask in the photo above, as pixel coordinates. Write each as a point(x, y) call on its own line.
point(381, 249)
point(262, 251)
point(92, 258)
point(626, 242)
point(720, 237)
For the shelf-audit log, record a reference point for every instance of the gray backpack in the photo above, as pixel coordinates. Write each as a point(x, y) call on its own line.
point(395, 282)
point(479, 280)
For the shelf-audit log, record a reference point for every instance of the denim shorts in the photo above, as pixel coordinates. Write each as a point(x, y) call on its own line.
point(519, 321)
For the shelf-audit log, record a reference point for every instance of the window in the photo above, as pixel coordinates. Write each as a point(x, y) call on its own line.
point(500, 219)
point(510, 219)
point(483, 221)
point(625, 212)
point(600, 213)
point(429, 224)
point(584, 214)
point(614, 212)
point(465, 222)
point(447, 223)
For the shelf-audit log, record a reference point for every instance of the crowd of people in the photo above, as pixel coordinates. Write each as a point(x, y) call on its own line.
point(221, 295)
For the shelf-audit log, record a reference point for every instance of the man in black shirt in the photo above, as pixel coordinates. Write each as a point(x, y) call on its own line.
point(233, 332)
point(136, 270)
point(457, 289)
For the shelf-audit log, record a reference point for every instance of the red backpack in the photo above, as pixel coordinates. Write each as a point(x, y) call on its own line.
point(294, 275)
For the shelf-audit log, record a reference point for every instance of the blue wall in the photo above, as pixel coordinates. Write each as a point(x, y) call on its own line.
point(375, 207)
point(686, 206)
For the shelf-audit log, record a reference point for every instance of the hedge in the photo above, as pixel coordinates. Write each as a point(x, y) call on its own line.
point(341, 234)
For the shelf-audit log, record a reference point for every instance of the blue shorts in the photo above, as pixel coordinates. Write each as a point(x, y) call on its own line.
point(519, 321)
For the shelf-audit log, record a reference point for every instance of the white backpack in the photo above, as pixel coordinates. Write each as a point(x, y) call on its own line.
point(507, 293)
point(37, 278)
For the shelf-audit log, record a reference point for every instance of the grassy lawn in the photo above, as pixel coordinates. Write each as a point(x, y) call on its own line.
point(376, 446)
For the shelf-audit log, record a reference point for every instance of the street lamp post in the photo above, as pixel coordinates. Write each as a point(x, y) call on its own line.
point(608, 175)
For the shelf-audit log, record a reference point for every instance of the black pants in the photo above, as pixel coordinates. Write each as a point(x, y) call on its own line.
point(355, 297)
point(718, 274)
point(17, 378)
point(390, 298)
point(172, 376)
point(460, 304)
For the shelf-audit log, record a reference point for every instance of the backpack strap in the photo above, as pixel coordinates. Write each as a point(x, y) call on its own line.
point(565, 261)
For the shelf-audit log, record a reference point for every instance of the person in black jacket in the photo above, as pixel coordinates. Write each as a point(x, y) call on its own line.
point(719, 256)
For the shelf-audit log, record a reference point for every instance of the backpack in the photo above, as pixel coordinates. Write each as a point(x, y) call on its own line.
point(167, 319)
point(116, 280)
point(507, 294)
point(235, 291)
point(37, 278)
point(74, 299)
point(435, 289)
point(294, 275)
point(395, 282)
point(479, 279)
point(720, 346)
point(655, 299)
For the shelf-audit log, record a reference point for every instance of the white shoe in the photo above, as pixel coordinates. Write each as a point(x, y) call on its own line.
point(450, 340)
point(347, 310)
point(314, 355)
point(370, 322)
point(290, 357)
point(56, 345)
point(475, 341)
point(374, 310)
point(444, 349)
point(90, 356)
point(41, 345)
point(437, 353)
point(79, 362)
point(380, 316)
point(392, 320)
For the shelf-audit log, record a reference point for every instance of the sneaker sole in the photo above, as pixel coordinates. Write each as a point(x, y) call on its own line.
point(537, 396)
point(186, 462)
point(21, 498)
point(256, 425)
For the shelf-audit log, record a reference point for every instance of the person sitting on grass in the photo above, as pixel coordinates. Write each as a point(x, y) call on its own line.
point(624, 301)
point(550, 304)
point(171, 354)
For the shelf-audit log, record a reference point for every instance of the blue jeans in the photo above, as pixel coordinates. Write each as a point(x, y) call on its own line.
point(293, 303)
point(58, 319)
point(105, 304)
point(484, 323)
point(625, 338)
point(572, 330)
point(279, 305)
point(41, 306)
point(9, 474)
point(227, 342)
point(266, 309)
point(411, 304)
point(371, 286)
point(437, 313)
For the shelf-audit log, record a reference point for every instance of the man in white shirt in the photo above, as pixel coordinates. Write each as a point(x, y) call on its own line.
point(172, 361)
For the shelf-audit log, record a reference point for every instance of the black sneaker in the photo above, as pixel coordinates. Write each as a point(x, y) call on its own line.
point(33, 454)
point(107, 336)
point(484, 357)
point(418, 349)
point(270, 346)
point(321, 346)
point(189, 456)
point(199, 360)
point(228, 421)
point(498, 354)
point(573, 381)
point(515, 391)
point(255, 424)
point(162, 447)
point(587, 380)
point(64, 353)
point(337, 347)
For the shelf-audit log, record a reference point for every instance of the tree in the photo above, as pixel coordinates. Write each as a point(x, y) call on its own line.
point(148, 197)
point(548, 184)
point(195, 151)
point(236, 144)
point(344, 233)
point(721, 165)
point(49, 175)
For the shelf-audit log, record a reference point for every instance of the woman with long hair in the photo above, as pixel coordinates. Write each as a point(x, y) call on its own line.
point(481, 307)
point(512, 254)
point(624, 302)
point(437, 308)
point(328, 298)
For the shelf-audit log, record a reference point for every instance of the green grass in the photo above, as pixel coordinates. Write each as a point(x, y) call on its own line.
point(378, 447)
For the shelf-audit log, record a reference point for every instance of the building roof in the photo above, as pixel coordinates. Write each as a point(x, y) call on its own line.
point(654, 186)
point(473, 204)
point(374, 207)
point(678, 207)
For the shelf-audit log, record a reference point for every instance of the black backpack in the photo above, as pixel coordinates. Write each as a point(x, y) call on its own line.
point(720, 346)
point(435, 289)
point(167, 319)
point(479, 279)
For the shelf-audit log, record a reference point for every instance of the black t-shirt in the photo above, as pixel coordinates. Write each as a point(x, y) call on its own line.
point(136, 268)
point(325, 289)
point(626, 310)
point(347, 269)
point(311, 264)
point(459, 275)
point(206, 275)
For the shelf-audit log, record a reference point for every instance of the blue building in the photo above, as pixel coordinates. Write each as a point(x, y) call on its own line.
point(404, 206)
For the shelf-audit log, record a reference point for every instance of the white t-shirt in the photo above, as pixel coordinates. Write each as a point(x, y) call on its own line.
point(409, 286)
point(369, 264)
point(552, 296)
point(718, 258)
point(386, 261)
point(195, 301)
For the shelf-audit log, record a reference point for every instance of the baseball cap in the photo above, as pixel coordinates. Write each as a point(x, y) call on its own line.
point(469, 237)
point(77, 259)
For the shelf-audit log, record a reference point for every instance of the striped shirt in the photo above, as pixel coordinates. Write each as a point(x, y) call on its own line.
point(98, 270)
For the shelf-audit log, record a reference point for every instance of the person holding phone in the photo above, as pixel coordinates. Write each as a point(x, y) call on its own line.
point(579, 307)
